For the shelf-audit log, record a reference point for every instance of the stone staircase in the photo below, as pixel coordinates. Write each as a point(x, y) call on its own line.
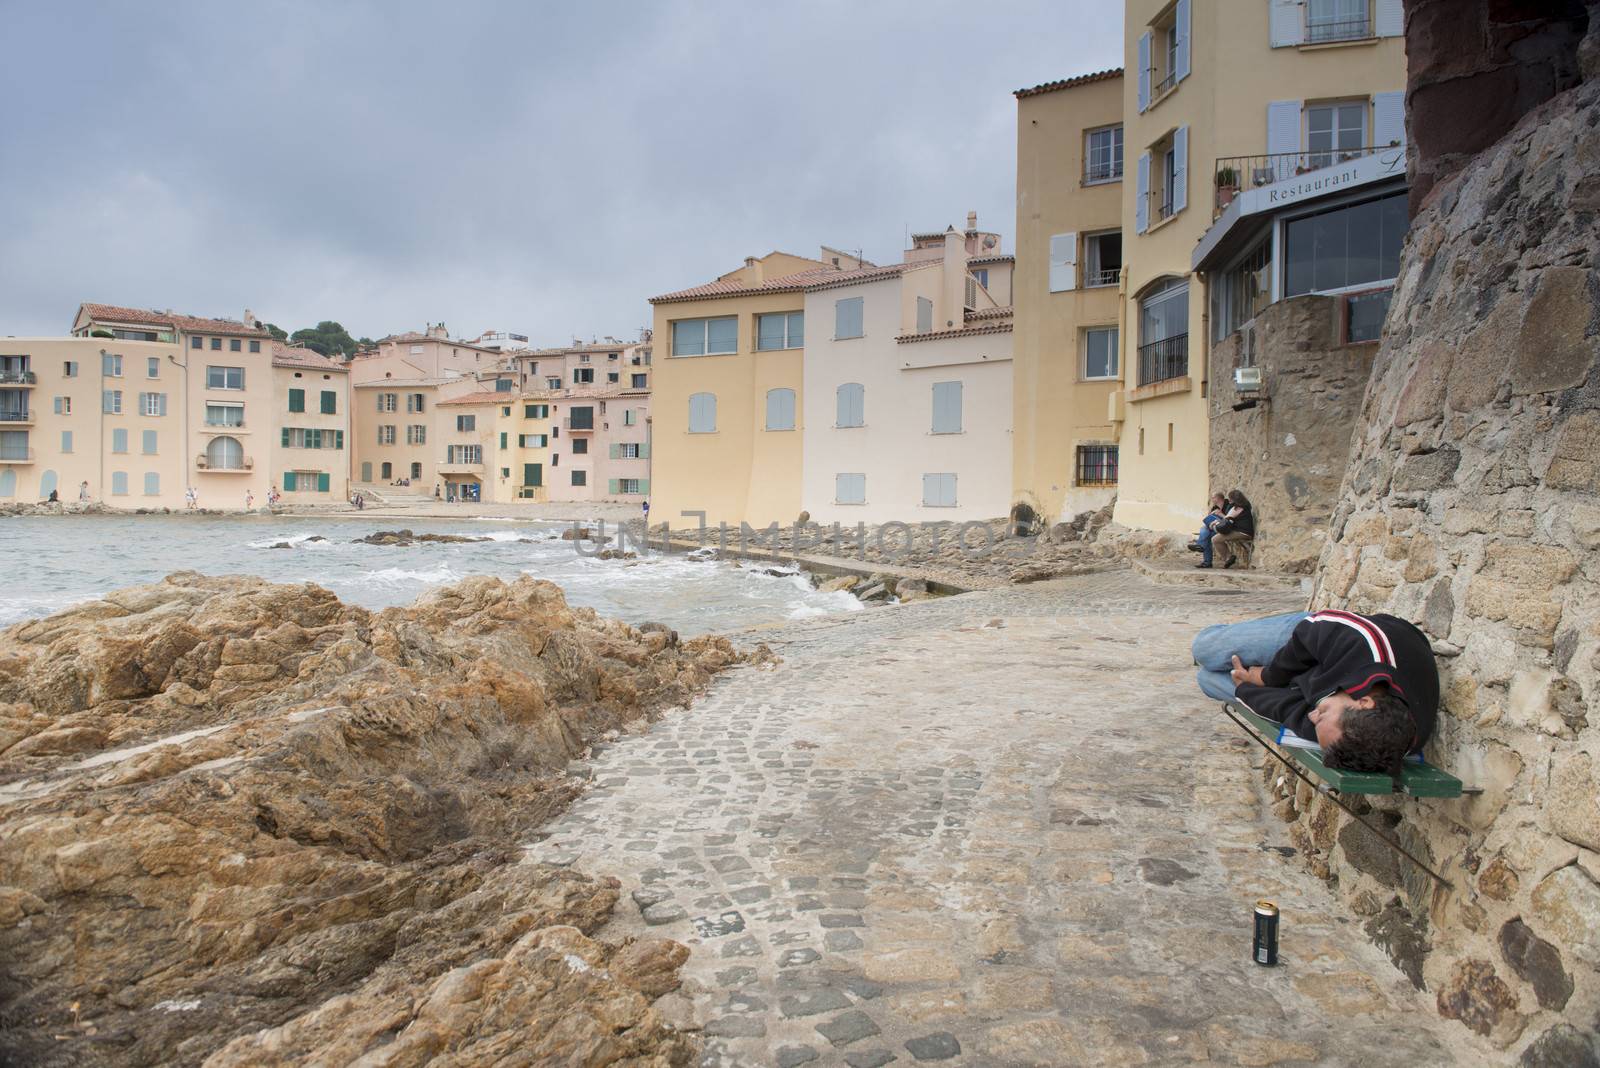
point(392, 496)
point(1175, 573)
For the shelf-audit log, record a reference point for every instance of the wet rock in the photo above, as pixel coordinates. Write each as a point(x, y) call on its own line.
point(842, 582)
point(1537, 963)
point(848, 1027)
point(871, 591)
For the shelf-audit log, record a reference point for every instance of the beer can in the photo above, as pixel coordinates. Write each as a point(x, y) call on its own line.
point(1264, 949)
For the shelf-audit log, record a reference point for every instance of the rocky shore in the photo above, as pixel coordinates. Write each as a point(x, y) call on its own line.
point(244, 823)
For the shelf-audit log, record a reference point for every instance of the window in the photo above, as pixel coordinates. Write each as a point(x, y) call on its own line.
point(224, 377)
point(947, 408)
point(580, 446)
point(924, 315)
point(297, 400)
point(69, 368)
point(1345, 246)
point(1163, 180)
point(119, 483)
point(533, 441)
point(1364, 315)
point(784, 330)
point(147, 442)
point(413, 402)
point(1100, 352)
point(216, 344)
point(386, 434)
point(630, 416)
point(110, 365)
point(1335, 132)
point(703, 413)
point(197, 342)
point(234, 345)
point(119, 440)
point(416, 434)
point(553, 383)
point(416, 350)
point(939, 491)
point(640, 381)
point(464, 454)
point(1243, 291)
point(780, 409)
point(152, 404)
point(1104, 255)
point(850, 488)
point(1096, 465)
point(152, 368)
point(628, 450)
point(847, 321)
point(466, 422)
point(582, 375)
point(705, 337)
point(612, 376)
point(630, 485)
point(255, 346)
point(224, 414)
point(580, 478)
point(1164, 332)
point(111, 402)
point(63, 406)
point(388, 402)
point(982, 275)
point(1336, 20)
point(66, 441)
point(225, 454)
point(330, 402)
point(1102, 155)
point(850, 401)
point(581, 418)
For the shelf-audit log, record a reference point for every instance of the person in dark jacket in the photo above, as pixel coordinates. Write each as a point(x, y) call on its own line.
point(1235, 534)
point(1364, 688)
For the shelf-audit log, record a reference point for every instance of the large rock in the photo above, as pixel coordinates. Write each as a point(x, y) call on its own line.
point(1566, 906)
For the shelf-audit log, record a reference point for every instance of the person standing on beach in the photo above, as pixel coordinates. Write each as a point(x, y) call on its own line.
point(249, 501)
point(83, 492)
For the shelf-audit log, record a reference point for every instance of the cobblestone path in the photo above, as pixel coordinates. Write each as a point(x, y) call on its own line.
point(994, 829)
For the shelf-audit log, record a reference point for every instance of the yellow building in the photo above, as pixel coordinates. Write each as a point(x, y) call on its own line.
point(1067, 348)
point(311, 399)
point(1223, 96)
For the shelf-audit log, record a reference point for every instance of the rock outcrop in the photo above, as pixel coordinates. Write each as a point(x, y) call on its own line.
point(244, 823)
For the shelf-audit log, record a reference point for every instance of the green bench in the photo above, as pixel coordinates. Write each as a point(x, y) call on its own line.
point(1417, 780)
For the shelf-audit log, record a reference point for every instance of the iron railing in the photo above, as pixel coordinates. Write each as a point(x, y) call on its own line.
point(585, 428)
point(15, 415)
point(1326, 32)
point(239, 464)
point(17, 378)
point(1164, 84)
point(1106, 277)
point(1097, 465)
point(15, 454)
point(1248, 172)
point(1164, 359)
point(1105, 172)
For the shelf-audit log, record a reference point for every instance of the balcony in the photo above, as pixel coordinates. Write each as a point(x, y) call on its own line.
point(1162, 360)
point(241, 466)
point(1106, 277)
point(18, 378)
point(1320, 31)
point(16, 415)
point(566, 424)
point(461, 465)
point(1236, 173)
point(16, 454)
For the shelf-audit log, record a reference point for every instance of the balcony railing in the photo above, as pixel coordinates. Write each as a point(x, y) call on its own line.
point(224, 466)
point(1164, 84)
point(1164, 359)
point(1160, 206)
point(588, 428)
point(1107, 276)
point(1352, 29)
point(15, 415)
point(18, 378)
point(16, 454)
point(1249, 172)
point(1105, 172)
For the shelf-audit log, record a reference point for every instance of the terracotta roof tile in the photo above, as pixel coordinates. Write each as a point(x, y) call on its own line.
point(480, 398)
point(822, 278)
point(187, 323)
point(1070, 83)
point(968, 331)
point(295, 356)
point(989, 313)
point(1004, 257)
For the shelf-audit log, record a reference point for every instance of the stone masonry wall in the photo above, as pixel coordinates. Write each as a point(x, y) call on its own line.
point(1471, 505)
point(1288, 453)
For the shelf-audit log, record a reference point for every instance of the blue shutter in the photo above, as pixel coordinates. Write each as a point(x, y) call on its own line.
point(152, 484)
point(1141, 196)
point(946, 407)
point(1389, 118)
point(1182, 23)
point(119, 483)
point(1180, 175)
point(288, 481)
point(322, 482)
point(148, 442)
point(1144, 70)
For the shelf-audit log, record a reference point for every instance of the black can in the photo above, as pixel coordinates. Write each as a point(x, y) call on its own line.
point(1264, 950)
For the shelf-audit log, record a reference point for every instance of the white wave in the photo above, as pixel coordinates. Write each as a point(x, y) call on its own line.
point(294, 541)
point(400, 576)
point(502, 535)
point(827, 604)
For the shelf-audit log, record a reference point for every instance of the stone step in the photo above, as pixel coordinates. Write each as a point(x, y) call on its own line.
point(1174, 573)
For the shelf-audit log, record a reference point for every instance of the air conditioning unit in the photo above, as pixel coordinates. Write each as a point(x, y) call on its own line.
point(1247, 379)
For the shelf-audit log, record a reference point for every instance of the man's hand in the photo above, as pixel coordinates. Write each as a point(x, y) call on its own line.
point(1242, 674)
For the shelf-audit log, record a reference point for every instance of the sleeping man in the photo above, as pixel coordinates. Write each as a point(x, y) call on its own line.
point(1364, 688)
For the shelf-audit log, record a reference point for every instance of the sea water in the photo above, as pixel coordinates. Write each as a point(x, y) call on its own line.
point(51, 562)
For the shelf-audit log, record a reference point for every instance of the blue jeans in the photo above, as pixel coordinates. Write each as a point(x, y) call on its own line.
point(1253, 642)
point(1203, 539)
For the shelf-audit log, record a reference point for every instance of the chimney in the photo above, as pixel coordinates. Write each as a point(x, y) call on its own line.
point(249, 317)
point(755, 267)
point(972, 221)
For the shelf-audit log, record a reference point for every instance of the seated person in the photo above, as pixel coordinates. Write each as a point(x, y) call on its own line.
point(1235, 533)
point(1364, 688)
point(1202, 540)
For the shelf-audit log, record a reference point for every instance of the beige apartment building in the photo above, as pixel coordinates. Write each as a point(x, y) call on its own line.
point(1068, 342)
point(311, 401)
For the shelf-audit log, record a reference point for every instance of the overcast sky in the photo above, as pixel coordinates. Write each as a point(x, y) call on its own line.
point(535, 167)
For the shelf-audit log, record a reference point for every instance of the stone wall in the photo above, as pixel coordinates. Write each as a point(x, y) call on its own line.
point(1288, 453)
point(1471, 505)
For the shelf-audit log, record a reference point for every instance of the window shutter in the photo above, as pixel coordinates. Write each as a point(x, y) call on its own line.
point(1389, 118)
point(644, 450)
point(1141, 196)
point(288, 481)
point(286, 437)
point(616, 452)
point(1390, 21)
point(338, 439)
point(1063, 262)
point(322, 482)
point(1283, 136)
point(1144, 70)
point(1285, 25)
point(58, 405)
point(330, 403)
point(644, 485)
point(1183, 23)
point(161, 404)
point(1180, 167)
point(297, 400)
point(614, 487)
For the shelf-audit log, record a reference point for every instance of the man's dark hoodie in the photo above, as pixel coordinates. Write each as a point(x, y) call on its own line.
point(1332, 650)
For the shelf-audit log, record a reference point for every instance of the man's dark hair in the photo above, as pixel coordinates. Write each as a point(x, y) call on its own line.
point(1374, 739)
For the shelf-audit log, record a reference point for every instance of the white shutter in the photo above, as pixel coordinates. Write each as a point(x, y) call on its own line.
point(1286, 23)
point(1180, 168)
point(1389, 118)
point(1283, 136)
point(1390, 21)
point(1063, 262)
point(1183, 23)
point(1141, 196)
point(1144, 70)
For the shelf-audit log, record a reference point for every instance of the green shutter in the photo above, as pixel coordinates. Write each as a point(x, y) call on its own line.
point(288, 481)
point(616, 452)
point(330, 402)
point(338, 439)
point(322, 482)
point(644, 451)
point(503, 439)
point(615, 487)
point(297, 400)
point(644, 485)
point(286, 437)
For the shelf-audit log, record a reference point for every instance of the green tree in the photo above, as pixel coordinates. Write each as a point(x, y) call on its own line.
point(327, 338)
point(277, 332)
